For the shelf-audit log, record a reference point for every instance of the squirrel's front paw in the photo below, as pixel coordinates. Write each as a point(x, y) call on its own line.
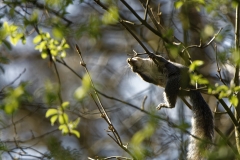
point(162, 105)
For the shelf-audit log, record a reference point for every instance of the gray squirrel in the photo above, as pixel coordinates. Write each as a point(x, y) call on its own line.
point(175, 79)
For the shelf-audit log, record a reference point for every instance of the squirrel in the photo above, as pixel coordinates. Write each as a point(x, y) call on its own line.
point(175, 79)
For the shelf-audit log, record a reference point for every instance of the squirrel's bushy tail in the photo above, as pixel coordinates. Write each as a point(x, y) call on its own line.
point(202, 127)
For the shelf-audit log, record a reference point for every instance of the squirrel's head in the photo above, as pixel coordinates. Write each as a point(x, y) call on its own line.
point(148, 70)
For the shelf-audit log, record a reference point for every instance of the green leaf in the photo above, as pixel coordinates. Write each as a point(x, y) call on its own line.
point(37, 39)
point(76, 133)
point(63, 54)
point(53, 119)
point(195, 64)
point(222, 88)
point(237, 89)
point(178, 4)
point(64, 128)
point(203, 81)
point(51, 112)
point(63, 119)
point(44, 55)
point(15, 39)
point(111, 16)
point(76, 122)
point(210, 90)
point(86, 83)
point(234, 101)
point(65, 105)
point(57, 32)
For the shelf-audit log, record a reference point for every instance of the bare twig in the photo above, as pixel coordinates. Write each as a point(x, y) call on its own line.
point(102, 110)
point(231, 115)
point(144, 22)
point(236, 76)
point(14, 80)
point(226, 140)
point(143, 102)
point(205, 45)
point(218, 68)
point(112, 157)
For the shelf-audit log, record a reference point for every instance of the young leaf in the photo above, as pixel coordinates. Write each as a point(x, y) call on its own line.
point(63, 119)
point(53, 119)
point(234, 101)
point(37, 39)
point(76, 133)
point(65, 105)
point(64, 128)
point(51, 112)
point(194, 65)
point(178, 4)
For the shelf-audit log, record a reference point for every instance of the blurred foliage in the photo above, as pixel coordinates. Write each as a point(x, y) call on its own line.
point(57, 151)
point(84, 89)
point(13, 32)
point(50, 47)
point(13, 98)
point(194, 76)
point(50, 93)
point(140, 149)
point(224, 91)
point(111, 16)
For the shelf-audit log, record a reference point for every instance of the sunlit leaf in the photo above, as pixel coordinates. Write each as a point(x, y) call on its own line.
point(222, 95)
point(44, 55)
point(63, 119)
point(76, 122)
point(63, 54)
point(195, 64)
point(111, 16)
point(53, 119)
point(65, 105)
point(63, 128)
point(222, 88)
point(202, 81)
point(58, 33)
point(234, 101)
point(76, 133)
point(178, 4)
point(237, 88)
point(51, 112)
point(37, 39)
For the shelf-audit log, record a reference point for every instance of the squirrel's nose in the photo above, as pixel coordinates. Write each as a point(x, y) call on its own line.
point(130, 60)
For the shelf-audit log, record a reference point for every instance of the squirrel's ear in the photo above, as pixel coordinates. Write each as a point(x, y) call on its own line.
point(159, 60)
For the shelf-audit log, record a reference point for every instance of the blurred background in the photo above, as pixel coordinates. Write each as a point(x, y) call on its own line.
point(31, 79)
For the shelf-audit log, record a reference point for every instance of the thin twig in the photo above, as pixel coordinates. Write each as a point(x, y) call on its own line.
point(144, 22)
point(102, 110)
point(14, 80)
point(146, 10)
point(231, 115)
point(143, 102)
point(218, 68)
point(226, 140)
point(205, 45)
point(134, 35)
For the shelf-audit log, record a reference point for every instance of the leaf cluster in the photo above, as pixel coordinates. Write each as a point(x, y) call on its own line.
point(66, 126)
point(49, 46)
point(13, 98)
